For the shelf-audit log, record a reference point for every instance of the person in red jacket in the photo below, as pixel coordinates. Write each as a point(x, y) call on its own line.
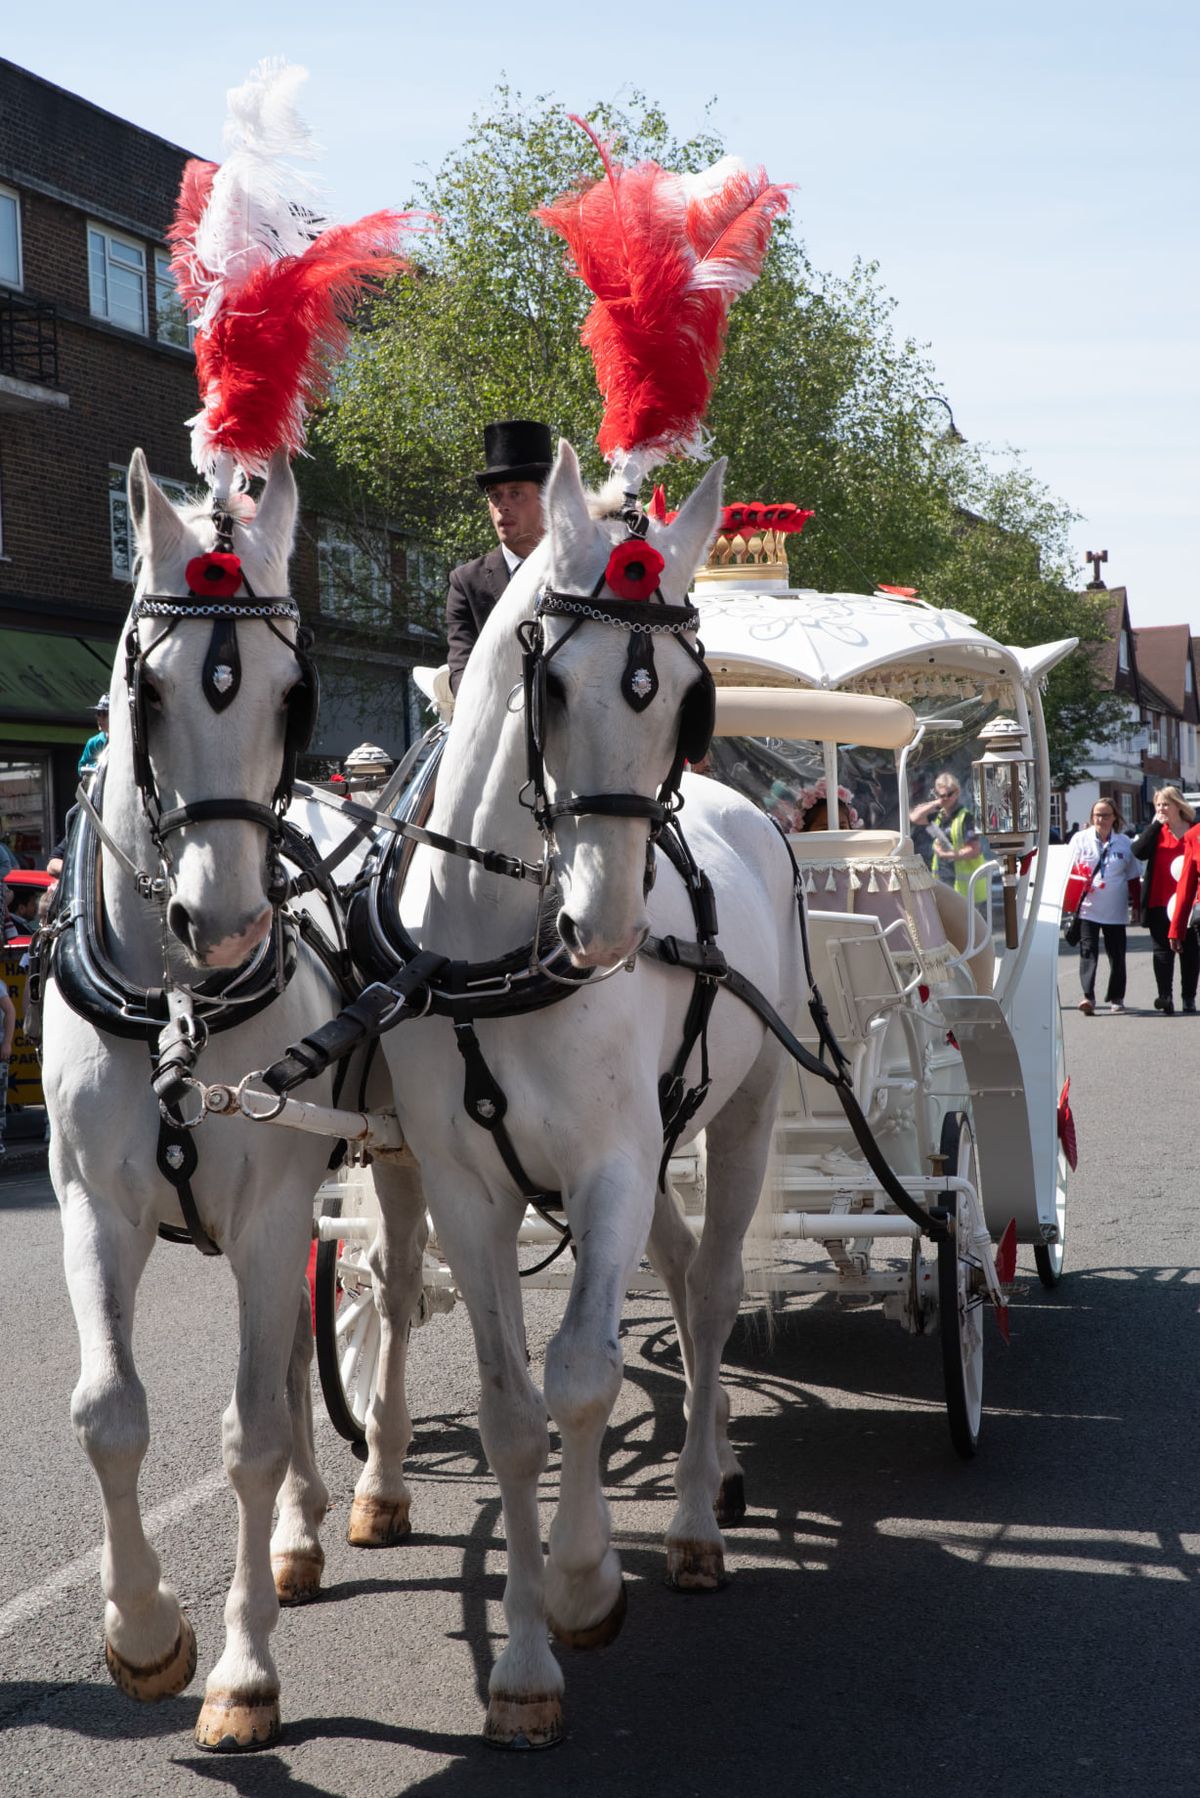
point(1185, 890)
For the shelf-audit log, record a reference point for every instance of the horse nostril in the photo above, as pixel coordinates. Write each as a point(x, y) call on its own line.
point(180, 921)
point(569, 933)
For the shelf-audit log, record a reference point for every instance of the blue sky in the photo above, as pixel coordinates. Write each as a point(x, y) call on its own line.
point(1026, 177)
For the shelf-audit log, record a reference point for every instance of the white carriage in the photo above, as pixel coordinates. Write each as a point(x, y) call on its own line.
point(953, 1034)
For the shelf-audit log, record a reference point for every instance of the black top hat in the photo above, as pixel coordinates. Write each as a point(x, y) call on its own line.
point(517, 449)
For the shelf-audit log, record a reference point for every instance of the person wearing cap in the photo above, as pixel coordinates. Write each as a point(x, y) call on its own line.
point(518, 455)
point(95, 746)
point(366, 770)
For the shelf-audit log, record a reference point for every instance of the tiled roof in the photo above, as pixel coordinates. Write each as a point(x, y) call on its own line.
point(1162, 654)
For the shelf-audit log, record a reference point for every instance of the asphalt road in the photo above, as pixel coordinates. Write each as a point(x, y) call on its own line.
point(898, 1622)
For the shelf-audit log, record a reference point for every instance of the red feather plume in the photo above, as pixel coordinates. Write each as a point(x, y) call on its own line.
point(266, 358)
point(665, 256)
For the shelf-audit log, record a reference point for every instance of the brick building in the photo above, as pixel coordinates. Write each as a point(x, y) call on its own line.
point(94, 361)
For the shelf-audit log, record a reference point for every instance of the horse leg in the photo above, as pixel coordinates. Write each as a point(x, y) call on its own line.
point(478, 1234)
point(671, 1249)
point(149, 1644)
point(585, 1595)
point(739, 1143)
point(379, 1516)
point(241, 1695)
point(297, 1558)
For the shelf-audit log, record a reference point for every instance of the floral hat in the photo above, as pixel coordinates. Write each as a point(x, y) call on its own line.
point(808, 797)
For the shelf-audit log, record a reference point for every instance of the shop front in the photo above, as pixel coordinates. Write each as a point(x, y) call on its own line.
point(49, 685)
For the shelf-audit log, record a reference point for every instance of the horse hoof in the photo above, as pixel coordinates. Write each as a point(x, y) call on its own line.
point(230, 1725)
point(378, 1523)
point(297, 1574)
point(596, 1635)
point(695, 1566)
point(166, 1678)
point(524, 1721)
point(731, 1501)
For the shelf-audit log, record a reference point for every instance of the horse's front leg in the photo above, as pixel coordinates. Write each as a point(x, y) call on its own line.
point(671, 1250)
point(478, 1232)
point(379, 1516)
point(739, 1142)
point(149, 1644)
point(297, 1558)
point(241, 1695)
point(610, 1216)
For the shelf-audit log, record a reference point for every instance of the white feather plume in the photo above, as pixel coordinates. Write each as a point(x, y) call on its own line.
point(261, 206)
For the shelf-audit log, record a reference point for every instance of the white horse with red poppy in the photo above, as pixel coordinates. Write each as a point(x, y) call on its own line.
point(581, 1080)
point(183, 879)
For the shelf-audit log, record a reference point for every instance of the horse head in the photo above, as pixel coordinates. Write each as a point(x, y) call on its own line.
point(220, 696)
point(622, 698)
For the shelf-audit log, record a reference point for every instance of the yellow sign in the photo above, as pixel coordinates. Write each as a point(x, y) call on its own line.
point(24, 1074)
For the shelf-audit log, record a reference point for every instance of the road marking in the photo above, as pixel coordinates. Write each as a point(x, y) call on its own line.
point(86, 1567)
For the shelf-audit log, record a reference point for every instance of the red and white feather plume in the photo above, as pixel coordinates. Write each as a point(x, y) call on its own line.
point(665, 256)
point(265, 282)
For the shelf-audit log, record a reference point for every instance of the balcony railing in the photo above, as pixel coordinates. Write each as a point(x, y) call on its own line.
point(28, 339)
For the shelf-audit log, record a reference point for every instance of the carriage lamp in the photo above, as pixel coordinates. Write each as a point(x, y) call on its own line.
point(1006, 804)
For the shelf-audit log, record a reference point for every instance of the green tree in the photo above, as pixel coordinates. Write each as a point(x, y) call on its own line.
point(817, 400)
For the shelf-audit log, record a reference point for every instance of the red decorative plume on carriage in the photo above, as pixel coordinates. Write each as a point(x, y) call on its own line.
point(665, 257)
point(267, 284)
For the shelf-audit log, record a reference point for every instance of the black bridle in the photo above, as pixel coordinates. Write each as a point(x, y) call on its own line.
point(220, 681)
point(644, 620)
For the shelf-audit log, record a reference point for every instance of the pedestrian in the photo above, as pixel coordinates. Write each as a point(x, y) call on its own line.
point(1161, 847)
point(957, 849)
point(1099, 888)
point(1183, 928)
point(95, 746)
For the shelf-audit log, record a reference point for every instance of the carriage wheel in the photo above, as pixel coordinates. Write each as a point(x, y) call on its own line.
point(1048, 1257)
point(962, 1298)
point(347, 1332)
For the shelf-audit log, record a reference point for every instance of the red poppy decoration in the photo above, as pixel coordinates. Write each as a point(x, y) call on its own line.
point(217, 575)
point(634, 569)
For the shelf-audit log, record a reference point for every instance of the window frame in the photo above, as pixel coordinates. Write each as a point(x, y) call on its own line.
point(110, 235)
point(118, 500)
point(163, 278)
point(347, 606)
point(17, 285)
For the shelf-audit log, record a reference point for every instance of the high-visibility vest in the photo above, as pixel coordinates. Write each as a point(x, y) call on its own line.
point(957, 832)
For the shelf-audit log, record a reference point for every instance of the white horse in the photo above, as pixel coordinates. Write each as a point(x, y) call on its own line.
point(253, 1185)
point(581, 1081)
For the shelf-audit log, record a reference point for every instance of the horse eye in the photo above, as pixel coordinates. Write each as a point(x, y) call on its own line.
point(555, 690)
point(151, 694)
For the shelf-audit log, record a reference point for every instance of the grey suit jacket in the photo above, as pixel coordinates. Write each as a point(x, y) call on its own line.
point(474, 589)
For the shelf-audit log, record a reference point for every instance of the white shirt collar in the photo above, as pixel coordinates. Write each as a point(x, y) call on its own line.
point(512, 562)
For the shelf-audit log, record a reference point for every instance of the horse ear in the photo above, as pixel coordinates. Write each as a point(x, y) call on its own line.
point(157, 526)
point(567, 516)
point(686, 542)
point(275, 519)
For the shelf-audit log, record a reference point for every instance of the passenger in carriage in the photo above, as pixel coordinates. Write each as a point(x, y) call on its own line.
point(812, 809)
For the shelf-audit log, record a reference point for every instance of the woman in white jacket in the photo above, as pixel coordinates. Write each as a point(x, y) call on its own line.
point(1104, 869)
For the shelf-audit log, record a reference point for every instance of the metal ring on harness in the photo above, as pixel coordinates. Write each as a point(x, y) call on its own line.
point(241, 1095)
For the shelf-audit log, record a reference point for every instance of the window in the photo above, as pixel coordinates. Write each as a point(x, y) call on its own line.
point(10, 238)
point(119, 529)
point(171, 321)
point(1188, 685)
point(354, 574)
point(117, 278)
point(1123, 652)
point(428, 577)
